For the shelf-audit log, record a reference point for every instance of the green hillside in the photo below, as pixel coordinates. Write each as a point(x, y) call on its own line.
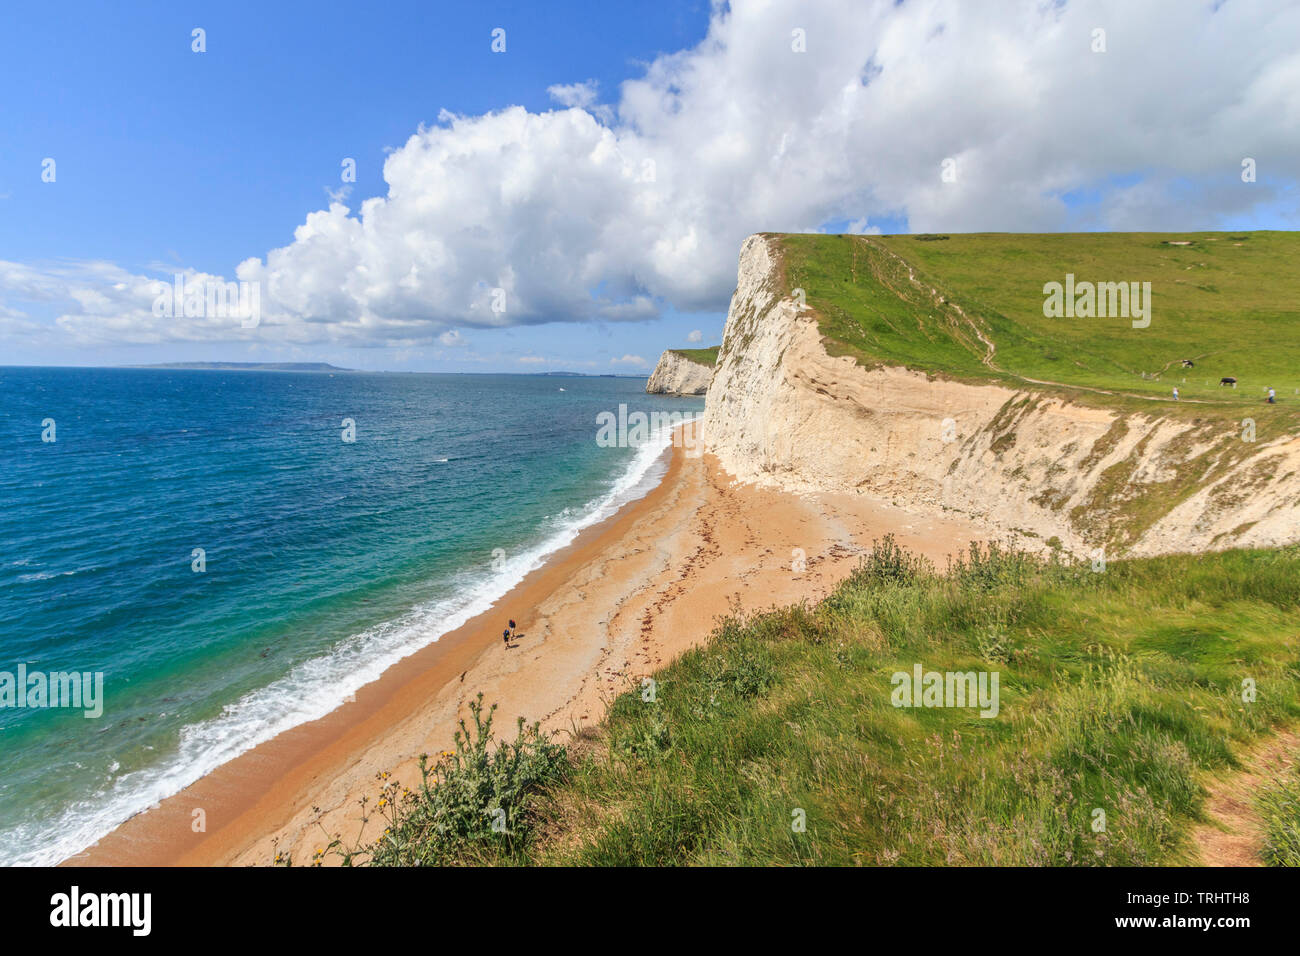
point(1119, 691)
point(1229, 302)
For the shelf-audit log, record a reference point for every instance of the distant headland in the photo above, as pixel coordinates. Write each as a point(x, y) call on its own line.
point(250, 366)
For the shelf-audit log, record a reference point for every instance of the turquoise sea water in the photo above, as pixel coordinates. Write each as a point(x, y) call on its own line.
point(326, 560)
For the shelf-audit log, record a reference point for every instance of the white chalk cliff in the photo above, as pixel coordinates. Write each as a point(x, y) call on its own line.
point(781, 412)
point(677, 375)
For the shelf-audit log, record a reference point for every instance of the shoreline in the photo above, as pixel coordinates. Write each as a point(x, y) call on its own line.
point(156, 836)
point(627, 595)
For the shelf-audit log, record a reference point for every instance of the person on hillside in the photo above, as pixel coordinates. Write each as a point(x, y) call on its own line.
point(1272, 396)
point(1175, 393)
point(512, 627)
point(505, 637)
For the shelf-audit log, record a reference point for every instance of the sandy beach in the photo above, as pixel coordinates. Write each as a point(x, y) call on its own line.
point(625, 598)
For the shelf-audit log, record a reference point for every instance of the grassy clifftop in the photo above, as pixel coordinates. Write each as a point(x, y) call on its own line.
point(707, 356)
point(971, 306)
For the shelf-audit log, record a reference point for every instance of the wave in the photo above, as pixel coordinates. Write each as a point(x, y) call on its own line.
point(43, 576)
point(315, 687)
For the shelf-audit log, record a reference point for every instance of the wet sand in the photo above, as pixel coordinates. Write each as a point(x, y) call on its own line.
point(625, 598)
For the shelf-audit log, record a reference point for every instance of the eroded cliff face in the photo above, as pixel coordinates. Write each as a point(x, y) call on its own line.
point(781, 412)
point(677, 375)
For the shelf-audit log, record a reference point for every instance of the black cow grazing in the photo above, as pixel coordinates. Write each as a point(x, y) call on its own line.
point(1228, 380)
point(1188, 363)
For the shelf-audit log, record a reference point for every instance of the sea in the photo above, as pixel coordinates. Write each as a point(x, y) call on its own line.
point(237, 552)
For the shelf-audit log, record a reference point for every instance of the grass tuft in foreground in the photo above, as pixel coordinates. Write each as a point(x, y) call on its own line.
point(1279, 808)
point(475, 805)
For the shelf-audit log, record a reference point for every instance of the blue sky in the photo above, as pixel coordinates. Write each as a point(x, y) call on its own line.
point(167, 158)
point(173, 160)
point(245, 138)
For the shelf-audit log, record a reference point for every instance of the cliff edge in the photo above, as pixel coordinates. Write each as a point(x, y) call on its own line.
point(783, 412)
point(681, 372)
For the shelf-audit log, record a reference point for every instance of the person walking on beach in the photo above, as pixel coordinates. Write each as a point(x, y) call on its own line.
point(512, 627)
point(505, 637)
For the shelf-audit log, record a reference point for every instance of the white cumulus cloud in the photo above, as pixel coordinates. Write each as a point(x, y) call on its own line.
point(610, 212)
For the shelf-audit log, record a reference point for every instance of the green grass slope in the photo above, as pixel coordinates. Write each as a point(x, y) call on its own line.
point(1279, 809)
point(1118, 691)
point(1230, 302)
point(778, 740)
